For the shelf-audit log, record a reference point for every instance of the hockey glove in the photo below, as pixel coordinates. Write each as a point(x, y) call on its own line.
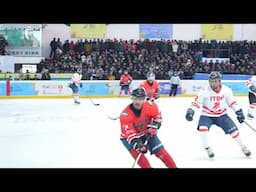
point(151, 132)
point(253, 88)
point(70, 85)
point(240, 116)
point(138, 145)
point(189, 115)
point(154, 125)
point(150, 99)
point(152, 128)
point(157, 95)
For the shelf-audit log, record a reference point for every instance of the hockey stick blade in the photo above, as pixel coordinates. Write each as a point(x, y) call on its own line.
point(95, 104)
point(113, 118)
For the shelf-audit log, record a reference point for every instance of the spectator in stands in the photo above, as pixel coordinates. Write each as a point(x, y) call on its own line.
point(53, 45)
point(27, 75)
point(109, 57)
point(3, 45)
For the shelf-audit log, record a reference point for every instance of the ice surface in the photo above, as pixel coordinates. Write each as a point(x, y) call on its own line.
point(55, 133)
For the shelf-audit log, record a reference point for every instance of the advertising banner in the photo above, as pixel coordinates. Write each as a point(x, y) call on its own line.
point(156, 31)
point(2, 88)
point(217, 31)
point(88, 31)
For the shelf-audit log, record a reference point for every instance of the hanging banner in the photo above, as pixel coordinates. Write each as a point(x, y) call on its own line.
point(88, 31)
point(217, 31)
point(156, 31)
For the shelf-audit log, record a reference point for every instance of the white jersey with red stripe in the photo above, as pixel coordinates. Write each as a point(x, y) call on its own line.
point(250, 82)
point(76, 78)
point(214, 104)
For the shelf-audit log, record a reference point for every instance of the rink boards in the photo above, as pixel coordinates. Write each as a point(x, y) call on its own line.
point(104, 89)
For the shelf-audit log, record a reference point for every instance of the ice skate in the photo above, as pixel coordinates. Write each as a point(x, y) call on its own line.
point(209, 152)
point(250, 116)
point(246, 151)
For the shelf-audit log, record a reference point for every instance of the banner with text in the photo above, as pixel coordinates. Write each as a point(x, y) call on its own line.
point(88, 31)
point(156, 31)
point(217, 31)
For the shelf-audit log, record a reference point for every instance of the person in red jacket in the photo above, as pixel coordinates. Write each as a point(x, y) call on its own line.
point(140, 121)
point(125, 82)
point(151, 86)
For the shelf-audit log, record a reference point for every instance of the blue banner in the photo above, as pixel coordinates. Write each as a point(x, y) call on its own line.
point(237, 87)
point(205, 76)
point(2, 89)
point(156, 31)
point(22, 89)
point(90, 89)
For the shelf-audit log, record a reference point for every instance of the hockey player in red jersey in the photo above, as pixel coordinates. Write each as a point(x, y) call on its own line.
point(151, 87)
point(140, 121)
point(125, 82)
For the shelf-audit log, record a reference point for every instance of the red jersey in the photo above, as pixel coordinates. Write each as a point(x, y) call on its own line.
point(133, 126)
point(126, 79)
point(152, 90)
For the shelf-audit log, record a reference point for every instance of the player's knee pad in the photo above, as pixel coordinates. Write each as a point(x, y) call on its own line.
point(166, 158)
point(134, 153)
point(203, 129)
point(161, 153)
point(234, 134)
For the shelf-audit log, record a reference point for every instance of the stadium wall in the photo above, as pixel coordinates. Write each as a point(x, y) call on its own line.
point(131, 31)
point(103, 89)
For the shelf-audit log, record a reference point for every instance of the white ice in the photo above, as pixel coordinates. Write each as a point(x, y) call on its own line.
point(55, 133)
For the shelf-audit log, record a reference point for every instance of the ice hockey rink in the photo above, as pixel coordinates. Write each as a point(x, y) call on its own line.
point(55, 133)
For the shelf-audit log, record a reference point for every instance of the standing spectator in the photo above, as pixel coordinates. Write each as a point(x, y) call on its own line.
point(53, 45)
point(3, 45)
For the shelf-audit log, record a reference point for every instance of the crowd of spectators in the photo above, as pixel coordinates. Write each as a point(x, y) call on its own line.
point(107, 59)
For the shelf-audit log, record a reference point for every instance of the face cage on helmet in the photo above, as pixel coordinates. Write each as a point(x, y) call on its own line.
point(135, 97)
point(217, 79)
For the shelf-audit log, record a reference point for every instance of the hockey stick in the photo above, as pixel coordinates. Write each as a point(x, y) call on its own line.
point(138, 157)
point(250, 126)
point(95, 104)
point(113, 118)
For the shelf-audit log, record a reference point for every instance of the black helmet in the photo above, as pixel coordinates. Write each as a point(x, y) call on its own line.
point(215, 75)
point(138, 92)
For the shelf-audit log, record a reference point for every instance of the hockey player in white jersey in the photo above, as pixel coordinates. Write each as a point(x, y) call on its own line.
point(214, 101)
point(251, 84)
point(76, 78)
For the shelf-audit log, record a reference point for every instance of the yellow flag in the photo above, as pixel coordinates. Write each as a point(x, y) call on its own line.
point(88, 31)
point(217, 31)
